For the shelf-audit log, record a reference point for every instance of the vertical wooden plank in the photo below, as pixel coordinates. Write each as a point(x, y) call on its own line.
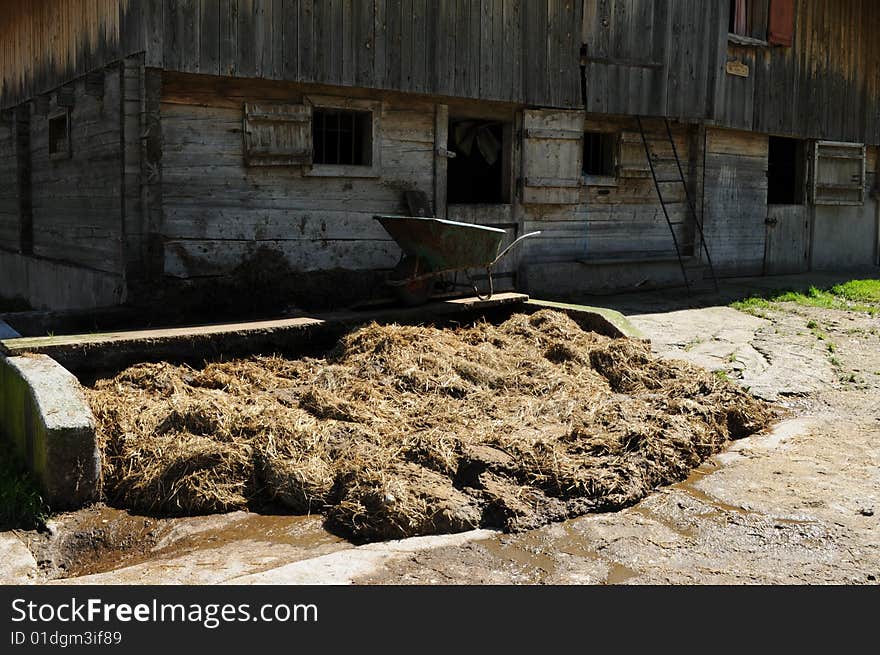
point(476, 47)
point(349, 46)
point(407, 45)
point(444, 60)
point(173, 56)
point(264, 29)
point(441, 165)
point(191, 42)
point(380, 40)
point(247, 47)
point(485, 86)
point(323, 49)
point(364, 43)
point(336, 37)
point(307, 27)
point(228, 37)
point(151, 173)
point(209, 37)
point(394, 43)
point(421, 43)
point(131, 19)
point(154, 27)
point(463, 9)
point(290, 41)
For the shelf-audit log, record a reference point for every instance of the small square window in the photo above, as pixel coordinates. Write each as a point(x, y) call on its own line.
point(59, 136)
point(342, 137)
point(599, 154)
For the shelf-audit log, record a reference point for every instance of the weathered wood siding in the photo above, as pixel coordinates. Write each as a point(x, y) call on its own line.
point(736, 200)
point(516, 50)
point(849, 236)
point(45, 43)
point(9, 221)
point(623, 221)
point(651, 57)
point(218, 213)
point(826, 86)
point(521, 50)
point(77, 202)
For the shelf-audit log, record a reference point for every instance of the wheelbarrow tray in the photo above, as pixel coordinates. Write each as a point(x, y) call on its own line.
point(444, 245)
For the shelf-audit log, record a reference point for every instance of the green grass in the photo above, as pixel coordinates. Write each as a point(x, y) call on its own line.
point(21, 505)
point(850, 296)
point(859, 290)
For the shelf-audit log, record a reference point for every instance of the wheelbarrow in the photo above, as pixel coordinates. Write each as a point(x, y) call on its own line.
point(434, 246)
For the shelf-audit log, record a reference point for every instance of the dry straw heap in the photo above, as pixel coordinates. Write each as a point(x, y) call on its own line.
point(406, 431)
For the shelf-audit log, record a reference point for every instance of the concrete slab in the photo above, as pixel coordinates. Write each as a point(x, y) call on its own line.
point(87, 352)
point(18, 563)
point(44, 413)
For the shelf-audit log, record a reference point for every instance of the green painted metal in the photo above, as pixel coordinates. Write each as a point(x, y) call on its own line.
point(443, 245)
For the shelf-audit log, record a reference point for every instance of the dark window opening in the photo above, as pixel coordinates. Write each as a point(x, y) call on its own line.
point(476, 173)
point(59, 135)
point(785, 172)
point(342, 137)
point(599, 154)
point(749, 18)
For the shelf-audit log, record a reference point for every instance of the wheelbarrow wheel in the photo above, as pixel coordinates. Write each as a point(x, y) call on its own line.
point(411, 292)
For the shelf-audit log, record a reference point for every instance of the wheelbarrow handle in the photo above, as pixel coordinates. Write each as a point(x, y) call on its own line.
point(511, 247)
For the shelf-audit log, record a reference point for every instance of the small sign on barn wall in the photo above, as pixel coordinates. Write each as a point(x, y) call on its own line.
point(736, 67)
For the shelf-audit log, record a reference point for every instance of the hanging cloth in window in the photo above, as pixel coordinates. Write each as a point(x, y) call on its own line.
point(469, 132)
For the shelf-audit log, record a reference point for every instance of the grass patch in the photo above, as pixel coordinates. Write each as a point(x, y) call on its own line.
point(21, 505)
point(850, 296)
point(859, 290)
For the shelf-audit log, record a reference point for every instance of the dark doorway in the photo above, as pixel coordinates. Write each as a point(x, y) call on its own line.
point(785, 172)
point(476, 173)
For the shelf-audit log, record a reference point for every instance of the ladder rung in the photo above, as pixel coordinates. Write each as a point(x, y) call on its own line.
point(677, 180)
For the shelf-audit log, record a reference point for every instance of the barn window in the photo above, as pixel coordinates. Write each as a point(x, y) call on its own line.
point(599, 154)
point(59, 135)
point(477, 174)
point(748, 19)
point(839, 173)
point(786, 182)
point(342, 137)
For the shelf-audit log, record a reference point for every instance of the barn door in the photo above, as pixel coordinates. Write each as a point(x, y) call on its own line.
point(552, 153)
point(788, 240)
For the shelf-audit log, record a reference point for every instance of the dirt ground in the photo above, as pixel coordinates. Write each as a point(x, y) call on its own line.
point(795, 506)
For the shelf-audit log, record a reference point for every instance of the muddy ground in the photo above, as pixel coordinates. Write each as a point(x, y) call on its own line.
point(796, 506)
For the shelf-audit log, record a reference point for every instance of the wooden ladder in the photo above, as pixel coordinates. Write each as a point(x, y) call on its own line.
point(679, 179)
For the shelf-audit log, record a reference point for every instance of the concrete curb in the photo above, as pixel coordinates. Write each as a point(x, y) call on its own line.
point(44, 413)
point(599, 319)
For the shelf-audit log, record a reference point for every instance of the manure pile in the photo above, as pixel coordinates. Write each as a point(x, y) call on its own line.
point(405, 431)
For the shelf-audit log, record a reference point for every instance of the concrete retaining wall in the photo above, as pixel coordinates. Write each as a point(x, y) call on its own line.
point(44, 413)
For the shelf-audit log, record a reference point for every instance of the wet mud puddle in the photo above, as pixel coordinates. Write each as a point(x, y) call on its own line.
point(102, 539)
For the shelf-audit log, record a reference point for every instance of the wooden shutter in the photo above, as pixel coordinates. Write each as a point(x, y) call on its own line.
point(277, 135)
point(552, 155)
point(781, 23)
point(838, 173)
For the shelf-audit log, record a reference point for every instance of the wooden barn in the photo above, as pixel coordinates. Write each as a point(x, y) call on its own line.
point(171, 151)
